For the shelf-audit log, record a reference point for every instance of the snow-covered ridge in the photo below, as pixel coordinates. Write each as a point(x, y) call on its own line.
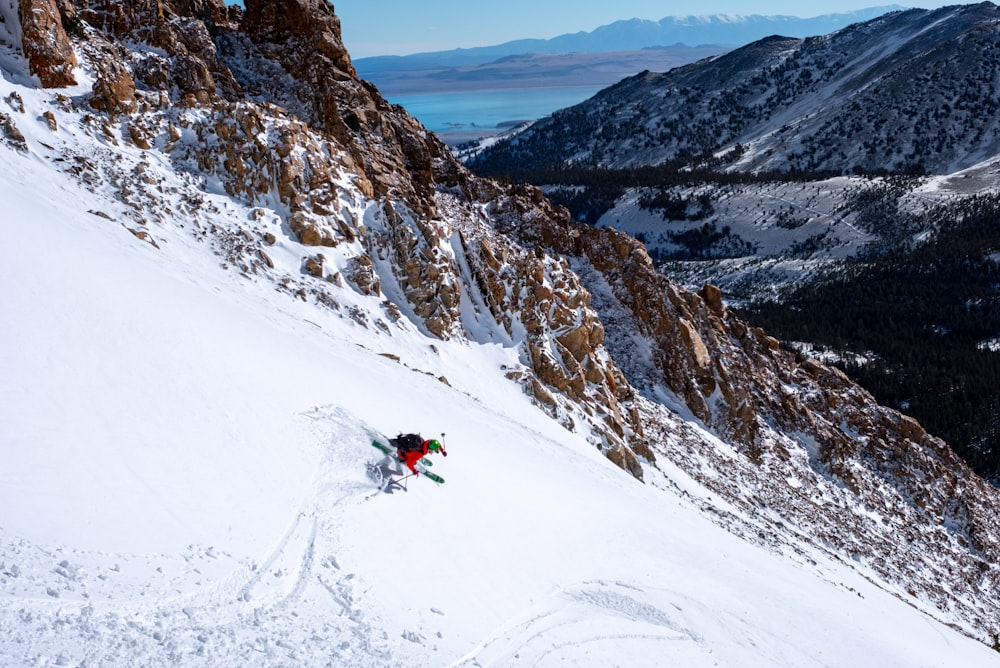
point(909, 91)
point(190, 391)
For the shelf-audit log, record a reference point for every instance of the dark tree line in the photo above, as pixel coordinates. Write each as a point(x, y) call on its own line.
point(686, 169)
point(677, 207)
point(925, 318)
point(589, 192)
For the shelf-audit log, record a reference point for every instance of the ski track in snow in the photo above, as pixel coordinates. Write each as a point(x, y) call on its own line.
point(565, 628)
point(628, 625)
point(297, 607)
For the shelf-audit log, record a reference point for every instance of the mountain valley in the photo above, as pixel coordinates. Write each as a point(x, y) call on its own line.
point(789, 168)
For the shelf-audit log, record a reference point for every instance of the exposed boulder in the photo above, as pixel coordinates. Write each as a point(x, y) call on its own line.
point(11, 133)
point(713, 297)
point(314, 265)
point(46, 44)
point(114, 88)
point(362, 275)
point(311, 231)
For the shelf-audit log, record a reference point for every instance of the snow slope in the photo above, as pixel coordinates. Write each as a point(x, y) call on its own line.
point(183, 481)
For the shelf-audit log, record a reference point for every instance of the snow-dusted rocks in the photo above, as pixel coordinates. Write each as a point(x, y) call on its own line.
point(114, 89)
point(11, 134)
point(46, 44)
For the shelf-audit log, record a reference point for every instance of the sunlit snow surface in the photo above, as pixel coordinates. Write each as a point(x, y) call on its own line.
point(182, 477)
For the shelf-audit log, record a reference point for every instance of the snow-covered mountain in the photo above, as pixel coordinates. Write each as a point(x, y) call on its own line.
point(598, 58)
point(228, 265)
point(910, 91)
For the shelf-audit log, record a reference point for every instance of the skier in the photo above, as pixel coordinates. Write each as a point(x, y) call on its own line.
point(411, 448)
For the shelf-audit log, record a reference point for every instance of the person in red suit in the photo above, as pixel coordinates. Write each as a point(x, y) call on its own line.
point(411, 448)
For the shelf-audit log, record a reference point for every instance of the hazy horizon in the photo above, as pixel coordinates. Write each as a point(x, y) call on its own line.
point(401, 27)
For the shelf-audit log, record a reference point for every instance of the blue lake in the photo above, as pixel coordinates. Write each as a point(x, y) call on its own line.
point(458, 117)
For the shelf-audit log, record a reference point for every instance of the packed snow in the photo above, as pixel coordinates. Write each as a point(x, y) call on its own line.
point(183, 482)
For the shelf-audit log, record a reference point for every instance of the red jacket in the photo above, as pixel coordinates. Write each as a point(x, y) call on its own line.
point(411, 458)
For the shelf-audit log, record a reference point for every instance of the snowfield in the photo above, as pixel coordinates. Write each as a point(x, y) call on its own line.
point(183, 452)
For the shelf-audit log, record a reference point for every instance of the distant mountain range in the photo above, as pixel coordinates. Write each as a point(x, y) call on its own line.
point(675, 41)
point(910, 91)
point(595, 70)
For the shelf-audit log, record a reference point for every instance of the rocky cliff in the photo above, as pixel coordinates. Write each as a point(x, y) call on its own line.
point(264, 105)
point(277, 115)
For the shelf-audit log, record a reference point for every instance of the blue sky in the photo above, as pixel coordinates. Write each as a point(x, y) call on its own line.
point(397, 27)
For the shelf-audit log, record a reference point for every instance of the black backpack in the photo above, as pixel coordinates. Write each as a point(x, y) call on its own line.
point(408, 442)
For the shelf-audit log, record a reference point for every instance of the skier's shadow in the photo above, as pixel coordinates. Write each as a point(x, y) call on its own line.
point(390, 471)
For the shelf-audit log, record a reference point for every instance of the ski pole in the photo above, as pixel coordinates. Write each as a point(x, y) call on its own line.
point(404, 478)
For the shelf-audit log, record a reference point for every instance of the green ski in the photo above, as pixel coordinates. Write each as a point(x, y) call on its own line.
point(433, 476)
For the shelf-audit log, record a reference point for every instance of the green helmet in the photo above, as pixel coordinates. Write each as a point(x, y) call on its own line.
point(433, 445)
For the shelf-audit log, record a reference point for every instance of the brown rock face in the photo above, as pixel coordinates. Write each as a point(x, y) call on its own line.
point(211, 11)
point(122, 18)
point(393, 153)
point(300, 23)
point(114, 89)
point(46, 44)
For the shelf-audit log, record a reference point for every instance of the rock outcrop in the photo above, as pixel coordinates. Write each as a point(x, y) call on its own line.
point(303, 26)
point(46, 44)
point(281, 113)
point(796, 419)
point(395, 154)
